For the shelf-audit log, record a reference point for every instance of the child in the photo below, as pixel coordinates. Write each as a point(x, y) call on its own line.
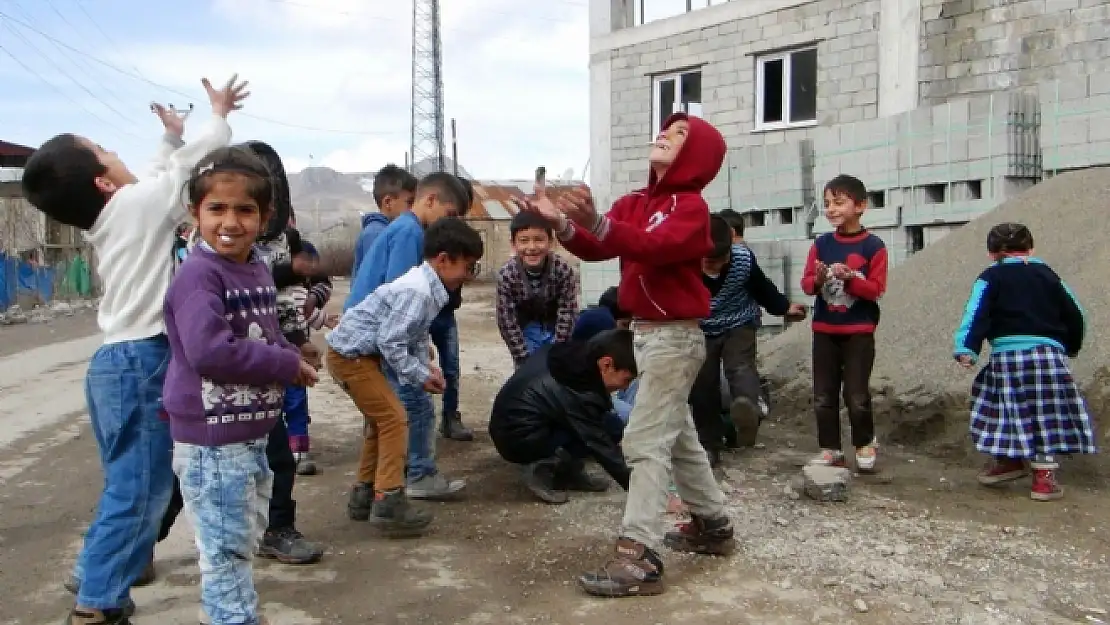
point(394, 191)
point(739, 289)
point(279, 246)
point(131, 224)
point(661, 234)
point(295, 410)
point(386, 335)
point(394, 252)
point(445, 337)
point(846, 271)
point(1025, 405)
point(223, 390)
point(537, 290)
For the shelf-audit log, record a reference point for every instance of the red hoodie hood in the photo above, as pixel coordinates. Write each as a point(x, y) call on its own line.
point(696, 164)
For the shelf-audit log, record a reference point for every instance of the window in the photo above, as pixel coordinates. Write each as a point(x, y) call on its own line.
point(786, 89)
point(644, 11)
point(676, 93)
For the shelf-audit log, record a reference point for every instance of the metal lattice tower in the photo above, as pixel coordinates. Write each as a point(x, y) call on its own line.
point(426, 139)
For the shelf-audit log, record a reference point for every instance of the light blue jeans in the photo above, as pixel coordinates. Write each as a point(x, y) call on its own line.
point(123, 388)
point(536, 336)
point(227, 497)
point(422, 427)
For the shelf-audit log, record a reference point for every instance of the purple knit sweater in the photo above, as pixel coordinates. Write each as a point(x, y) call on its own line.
point(229, 363)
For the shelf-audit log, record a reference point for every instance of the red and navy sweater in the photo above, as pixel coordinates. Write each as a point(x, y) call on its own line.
point(847, 306)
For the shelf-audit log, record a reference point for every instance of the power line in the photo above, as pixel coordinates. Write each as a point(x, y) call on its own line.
point(142, 78)
point(386, 18)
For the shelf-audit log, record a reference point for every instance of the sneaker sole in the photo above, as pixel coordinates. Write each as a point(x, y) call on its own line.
point(686, 546)
point(392, 531)
point(866, 465)
point(358, 514)
point(999, 480)
point(283, 558)
point(1046, 496)
point(745, 419)
point(645, 589)
point(435, 496)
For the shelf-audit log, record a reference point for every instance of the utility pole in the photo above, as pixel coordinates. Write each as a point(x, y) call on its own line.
point(426, 138)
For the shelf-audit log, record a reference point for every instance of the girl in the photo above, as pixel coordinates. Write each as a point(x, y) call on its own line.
point(224, 386)
point(1025, 406)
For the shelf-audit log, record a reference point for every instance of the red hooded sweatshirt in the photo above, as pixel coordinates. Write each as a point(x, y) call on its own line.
point(661, 232)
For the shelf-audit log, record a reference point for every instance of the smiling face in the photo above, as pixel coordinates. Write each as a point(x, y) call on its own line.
point(532, 245)
point(669, 143)
point(842, 211)
point(228, 218)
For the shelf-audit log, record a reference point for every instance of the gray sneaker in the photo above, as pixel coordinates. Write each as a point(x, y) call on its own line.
point(434, 487)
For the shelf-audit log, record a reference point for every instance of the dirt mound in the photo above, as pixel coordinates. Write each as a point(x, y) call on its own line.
point(922, 392)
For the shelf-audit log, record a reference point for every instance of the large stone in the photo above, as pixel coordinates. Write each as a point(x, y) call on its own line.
point(826, 483)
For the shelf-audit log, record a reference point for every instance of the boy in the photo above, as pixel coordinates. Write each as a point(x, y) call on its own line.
point(738, 288)
point(735, 221)
point(555, 411)
point(445, 337)
point(661, 234)
point(131, 224)
point(846, 271)
point(386, 335)
point(396, 250)
point(537, 290)
point(394, 190)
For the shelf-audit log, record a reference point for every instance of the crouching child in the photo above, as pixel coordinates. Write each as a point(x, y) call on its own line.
point(1026, 409)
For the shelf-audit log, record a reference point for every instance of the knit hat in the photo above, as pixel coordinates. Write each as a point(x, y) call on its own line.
point(591, 322)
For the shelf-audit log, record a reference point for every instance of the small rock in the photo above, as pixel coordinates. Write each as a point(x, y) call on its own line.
point(860, 605)
point(999, 596)
point(901, 550)
point(782, 522)
point(793, 491)
point(826, 483)
point(885, 550)
point(829, 582)
point(1042, 587)
point(62, 308)
point(786, 584)
point(976, 599)
point(905, 607)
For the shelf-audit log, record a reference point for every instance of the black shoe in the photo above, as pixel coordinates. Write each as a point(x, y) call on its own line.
point(571, 474)
point(714, 457)
point(454, 429)
point(396, 517)
point(705, 536)
point(539, 477)
point(730, 432)
point(746, 418)
point(98, 617)
point(360, 502)
point(288, 546)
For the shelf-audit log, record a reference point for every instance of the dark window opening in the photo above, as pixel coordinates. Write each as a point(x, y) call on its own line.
point(772, 91)
point(934, 193)
point(876, 199)
point(786, 216)
point(756, 219)
point(915, 236)
point(803, 85)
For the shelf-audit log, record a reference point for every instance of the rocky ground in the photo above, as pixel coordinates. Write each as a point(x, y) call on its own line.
point(918, 543)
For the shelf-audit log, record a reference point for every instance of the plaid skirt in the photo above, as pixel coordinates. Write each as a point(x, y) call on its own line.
point(1025, 403)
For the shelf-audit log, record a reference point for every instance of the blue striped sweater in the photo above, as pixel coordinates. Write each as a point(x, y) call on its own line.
point(739, 293)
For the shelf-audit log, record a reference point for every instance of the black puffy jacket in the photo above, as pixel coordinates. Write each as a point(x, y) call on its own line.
point(557, 388)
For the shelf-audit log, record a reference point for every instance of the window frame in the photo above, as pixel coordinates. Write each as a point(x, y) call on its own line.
point(656, 93)
point(691, 5)
point(787, 71)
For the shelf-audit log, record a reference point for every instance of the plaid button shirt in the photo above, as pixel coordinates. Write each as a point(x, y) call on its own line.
point(558, 289)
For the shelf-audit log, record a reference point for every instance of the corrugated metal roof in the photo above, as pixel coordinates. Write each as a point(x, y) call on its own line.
point(495, 210)
point(493, 199)
point(14, 149)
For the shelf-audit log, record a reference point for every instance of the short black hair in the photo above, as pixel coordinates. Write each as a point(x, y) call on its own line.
point(720, 234)
point(283, 202)
point(1009, 237)
point(391, 180)
point(468, 187)
point(734, 219)
point(616, 344)
point(447, 186)
point(611, 299)
point(232, 161)
point(453, 237)
point(849, 186)
point(59, 179)
point(525, 220)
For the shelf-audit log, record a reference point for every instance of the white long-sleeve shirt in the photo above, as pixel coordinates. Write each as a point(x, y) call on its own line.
point(133, 237)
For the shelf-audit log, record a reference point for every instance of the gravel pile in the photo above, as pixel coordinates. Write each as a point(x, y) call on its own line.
point(915, 375)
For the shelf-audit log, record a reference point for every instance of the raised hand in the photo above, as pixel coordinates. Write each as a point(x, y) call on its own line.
point(579, 206)
point(171, 119)
point(229, 98)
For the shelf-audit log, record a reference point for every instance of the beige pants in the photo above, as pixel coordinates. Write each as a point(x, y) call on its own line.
point(661, 434)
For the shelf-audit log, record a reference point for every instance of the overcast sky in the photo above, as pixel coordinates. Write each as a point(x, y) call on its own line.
point(515, 76)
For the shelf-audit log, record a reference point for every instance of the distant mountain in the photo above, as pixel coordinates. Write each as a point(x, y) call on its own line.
point(324, 199)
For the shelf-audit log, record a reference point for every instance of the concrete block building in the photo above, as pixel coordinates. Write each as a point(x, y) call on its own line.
point(944, 108)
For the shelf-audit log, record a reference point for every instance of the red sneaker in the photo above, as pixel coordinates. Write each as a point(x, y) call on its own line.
point(999, 471)
point(1045, 486)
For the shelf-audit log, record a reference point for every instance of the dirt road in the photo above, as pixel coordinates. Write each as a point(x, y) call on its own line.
point(920, 543)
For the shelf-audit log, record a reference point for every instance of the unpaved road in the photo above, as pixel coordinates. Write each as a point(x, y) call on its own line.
point(920, 543)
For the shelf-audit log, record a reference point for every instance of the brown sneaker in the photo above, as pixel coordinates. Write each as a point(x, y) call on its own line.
point(1045, 486)
point(1002, 470)
point(89, 616)
point(635, 571)
point(711, 537)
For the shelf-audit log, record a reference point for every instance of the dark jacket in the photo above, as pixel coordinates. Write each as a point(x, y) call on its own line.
point(557, 388)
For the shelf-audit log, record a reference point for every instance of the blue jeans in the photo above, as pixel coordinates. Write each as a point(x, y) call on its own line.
point(123, 388)
point(422, 427)
point(227, 497)
point(445, 336)
point(536, 336)
point(622, 409)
